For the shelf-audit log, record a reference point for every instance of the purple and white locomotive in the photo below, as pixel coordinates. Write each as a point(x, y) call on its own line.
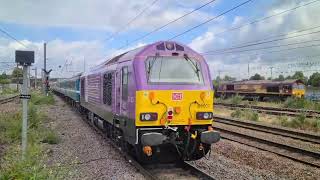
point(155, 101)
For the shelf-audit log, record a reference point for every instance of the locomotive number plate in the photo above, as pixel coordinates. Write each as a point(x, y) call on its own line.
point(177, 96)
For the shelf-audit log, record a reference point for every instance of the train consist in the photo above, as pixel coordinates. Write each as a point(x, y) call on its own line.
point(155, 101)
point(261, 89)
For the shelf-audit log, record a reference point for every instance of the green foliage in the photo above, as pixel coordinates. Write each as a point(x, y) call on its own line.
point(33, 167)
point(300, 103)
point(4, 79)
point(236, 114)
point(40, 99)
point(229, 78)
point(246, 115)
point(17, 73)
point(257, 77)
point(299, 75)
point(236, 99)
point(10, 127)
point(314, 80)
point(7, 90)
point(51, 137)
point(280, 78)
point(299, 122)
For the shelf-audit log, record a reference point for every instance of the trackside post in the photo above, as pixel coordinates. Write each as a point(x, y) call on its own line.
point(25, 59)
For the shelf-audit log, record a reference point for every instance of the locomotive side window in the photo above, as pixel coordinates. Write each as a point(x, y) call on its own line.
point(230, 87)
point(107, 88)
point(124, 83)
point(273, 89)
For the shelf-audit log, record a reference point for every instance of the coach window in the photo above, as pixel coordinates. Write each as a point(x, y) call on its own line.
point(125, 76)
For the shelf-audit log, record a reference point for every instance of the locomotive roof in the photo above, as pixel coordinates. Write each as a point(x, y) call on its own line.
point(289, 81)
point(140, 51)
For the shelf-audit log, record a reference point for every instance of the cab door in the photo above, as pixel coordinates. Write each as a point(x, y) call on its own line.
point(124, 91)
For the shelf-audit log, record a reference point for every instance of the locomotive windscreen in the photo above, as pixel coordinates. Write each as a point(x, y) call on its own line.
point(173, 70)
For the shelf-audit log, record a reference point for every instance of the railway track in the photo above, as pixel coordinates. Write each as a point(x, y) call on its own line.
point(295, 134)
point(8, 99)
point(181, 169)
point(273, 110)
point(295, 153)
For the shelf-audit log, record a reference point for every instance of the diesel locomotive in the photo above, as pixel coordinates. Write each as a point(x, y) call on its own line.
point(155, 101)
point(261, 89)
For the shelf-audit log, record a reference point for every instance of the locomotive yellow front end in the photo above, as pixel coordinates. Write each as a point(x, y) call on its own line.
point(174, 104)
point(183, 118)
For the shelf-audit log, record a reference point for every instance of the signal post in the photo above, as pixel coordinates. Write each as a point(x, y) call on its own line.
point(25, 59)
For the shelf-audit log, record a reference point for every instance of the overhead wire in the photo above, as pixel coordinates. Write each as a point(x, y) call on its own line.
point(299, 47)
point(266, 17)
point(12, 37)
point(131, 21)
point(167, 24)
point(268, 47)
point(260, 41)
point(211, 19)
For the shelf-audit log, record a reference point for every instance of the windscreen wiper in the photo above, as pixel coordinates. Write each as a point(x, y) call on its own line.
point(150, 65)
point(195, 65)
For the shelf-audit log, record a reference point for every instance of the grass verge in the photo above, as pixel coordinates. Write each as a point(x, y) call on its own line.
point(34, 166)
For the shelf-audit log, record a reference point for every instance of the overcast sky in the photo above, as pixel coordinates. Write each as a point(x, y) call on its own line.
point(78, 30)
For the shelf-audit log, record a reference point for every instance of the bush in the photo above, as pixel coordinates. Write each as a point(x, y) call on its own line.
point(40, 99)
point(51, 138)
point(300, 103)
point(7, 90)
point(236, 99)
point(236, 114)
point(33, 167)
point(246, 114)
point(10, 127)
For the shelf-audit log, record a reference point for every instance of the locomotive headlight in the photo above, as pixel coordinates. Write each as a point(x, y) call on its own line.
point(148, 116)
point(204, 115)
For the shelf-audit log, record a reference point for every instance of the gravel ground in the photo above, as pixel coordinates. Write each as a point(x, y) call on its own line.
point(231, 160)
point(95, 158)
point(10, 107)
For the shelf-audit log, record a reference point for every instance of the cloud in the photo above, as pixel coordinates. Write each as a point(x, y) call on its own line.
point(236, 64)
point(96, 14)
point(69, 55)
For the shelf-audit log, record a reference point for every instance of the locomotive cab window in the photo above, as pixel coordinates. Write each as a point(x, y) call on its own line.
point(125, 77)
point(173, 70)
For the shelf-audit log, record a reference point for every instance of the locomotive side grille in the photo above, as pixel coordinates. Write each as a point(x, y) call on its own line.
point(107, 89)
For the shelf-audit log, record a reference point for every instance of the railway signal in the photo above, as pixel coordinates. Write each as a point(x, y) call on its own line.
point(25, 59)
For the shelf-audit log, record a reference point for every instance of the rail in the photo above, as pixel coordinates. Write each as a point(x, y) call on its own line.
point(295, 153)
point(8, 99)
point(274, 110)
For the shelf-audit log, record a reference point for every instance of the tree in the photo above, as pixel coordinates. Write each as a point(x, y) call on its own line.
point(17, 73)
point(229, 78)
point(314, 80)
point(280, 78)
point(4, 79)
point(257, 77)
point(298, 75)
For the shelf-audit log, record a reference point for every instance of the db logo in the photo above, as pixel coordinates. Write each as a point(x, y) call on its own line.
point(177, 96)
